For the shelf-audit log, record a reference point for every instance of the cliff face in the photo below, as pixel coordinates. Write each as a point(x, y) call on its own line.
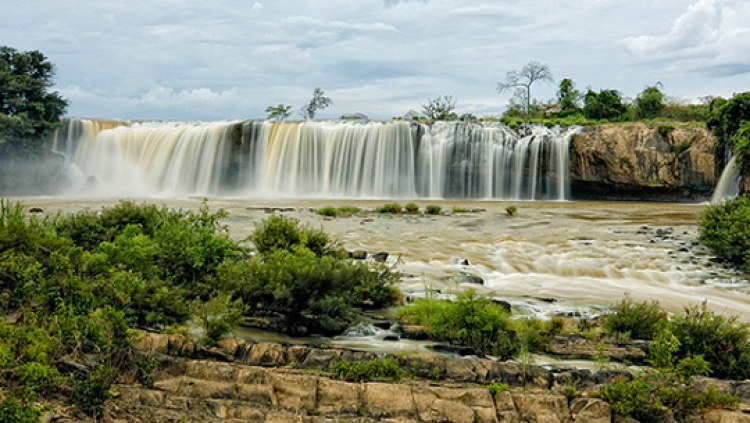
point(646, 162)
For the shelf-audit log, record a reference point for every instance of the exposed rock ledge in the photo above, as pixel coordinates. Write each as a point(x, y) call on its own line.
point(640, 161)
point(267, 382)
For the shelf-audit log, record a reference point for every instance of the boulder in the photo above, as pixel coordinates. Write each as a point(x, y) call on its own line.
point(638, 161)
point(358, 255)
point(267, 354)
point(338, 397)
point(380, 256)
point(542, 407)
point(383, 400)
point(590, 410)
point(295, 392)
point(432, 408)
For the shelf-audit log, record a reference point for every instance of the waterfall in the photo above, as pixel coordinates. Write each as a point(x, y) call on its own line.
point(327, 159)
point(729, 182)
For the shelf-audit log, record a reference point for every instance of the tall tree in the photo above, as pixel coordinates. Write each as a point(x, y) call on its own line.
point(568, 97)
point(521, 81)
point(319, 101)
point(650, 102)
point(607, 104)
point(440, 108)
point(28, 110)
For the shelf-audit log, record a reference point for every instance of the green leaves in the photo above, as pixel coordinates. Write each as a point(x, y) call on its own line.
point(725, 229)
point(470, 320)
point(27, 109)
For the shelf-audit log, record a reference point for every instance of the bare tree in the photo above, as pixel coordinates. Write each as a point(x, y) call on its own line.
point(440, 108)
point(521, 81)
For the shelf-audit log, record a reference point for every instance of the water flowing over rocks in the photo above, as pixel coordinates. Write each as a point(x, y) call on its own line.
point(646, 162)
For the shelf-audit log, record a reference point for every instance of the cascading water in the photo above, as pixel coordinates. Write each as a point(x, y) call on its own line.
point(729, 182)
point(328, 159)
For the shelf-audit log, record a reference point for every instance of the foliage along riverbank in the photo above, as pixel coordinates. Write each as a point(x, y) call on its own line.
point(73, 287)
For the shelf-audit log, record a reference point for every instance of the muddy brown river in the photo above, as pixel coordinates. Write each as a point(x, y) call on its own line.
point(551, 257)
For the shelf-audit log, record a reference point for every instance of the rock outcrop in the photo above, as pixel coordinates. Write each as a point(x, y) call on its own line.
point(644, 161)
point(270, 382)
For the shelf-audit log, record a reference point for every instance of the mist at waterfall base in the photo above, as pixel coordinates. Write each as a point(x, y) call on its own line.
point(318, 159)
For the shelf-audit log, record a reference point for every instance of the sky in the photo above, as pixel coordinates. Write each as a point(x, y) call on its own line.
point(230, 59)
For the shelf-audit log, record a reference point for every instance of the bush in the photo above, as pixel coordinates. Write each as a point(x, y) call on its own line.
point(393, 208)
point(433, 209)
point(310, 293)
point(411, 208)
point(349, 209)
point(722, 341)
point(664, 130)
point(365, 371)
point(460, 210)
point(529, 332)
point(658, 395)
point(90, 394)
point(470, 320)
point(13, 410)
point(286, 233)
point(642, 320)
point(496, 388)
point(511, 210)
point(725, 229)
point(218, 317)
point(329, 211)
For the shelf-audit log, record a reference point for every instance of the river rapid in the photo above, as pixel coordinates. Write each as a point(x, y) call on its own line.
point(573, 258)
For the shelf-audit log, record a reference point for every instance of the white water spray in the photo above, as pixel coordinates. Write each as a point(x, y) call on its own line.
point(729, 182)
point(321, 159)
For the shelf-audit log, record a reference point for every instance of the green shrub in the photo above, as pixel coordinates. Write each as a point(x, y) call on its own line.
point(658, 395)
point(555, 325)
point(349, 209)
point(722, 341)
point(640, 320)
point(286, 233)
point(218, 317)
point(433, 209)
point(496, 388)
point(470, 320)
point(90, 394)
point(411, 208)
point(146, 368)
point(529, 332)
point(329, 211)
point(725, 229)
point(13, 410)
point(511, 210)
point(393, 208)
point(364, 371)
point(310, 293)
point(664, 130)
point(457, 209)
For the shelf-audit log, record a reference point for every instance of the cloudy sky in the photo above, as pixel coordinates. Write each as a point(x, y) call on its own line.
point(230, 59)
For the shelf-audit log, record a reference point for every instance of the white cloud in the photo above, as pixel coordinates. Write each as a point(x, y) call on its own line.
point(711, 36)
point(176, 59)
